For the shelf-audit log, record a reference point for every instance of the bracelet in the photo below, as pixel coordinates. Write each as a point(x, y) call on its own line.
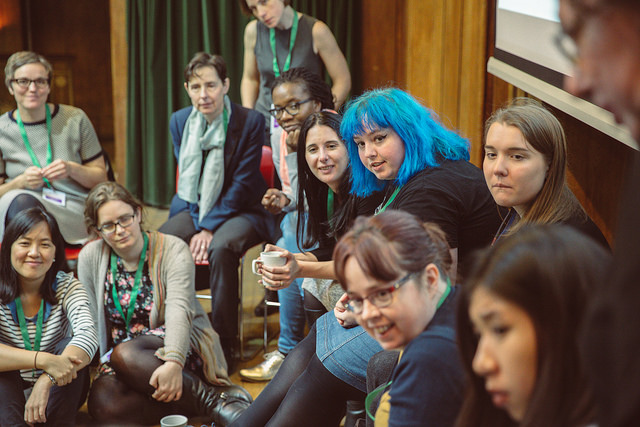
point(35, 358)
point(53, 380)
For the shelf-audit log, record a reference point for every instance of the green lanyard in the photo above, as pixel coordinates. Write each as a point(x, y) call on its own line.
point(381, 209)
point(330, 204)
point(23, 326)
point(292, 41)
point(25, 139)
point(136, 283)
point(372, 395)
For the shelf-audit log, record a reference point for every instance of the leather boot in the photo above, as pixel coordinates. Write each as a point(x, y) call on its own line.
point(221, 404)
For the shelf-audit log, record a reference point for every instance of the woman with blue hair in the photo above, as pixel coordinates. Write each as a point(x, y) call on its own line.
point(396, 145)
point(422, 167)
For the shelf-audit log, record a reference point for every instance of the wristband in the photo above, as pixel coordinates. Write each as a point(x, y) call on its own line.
point(35, 358)
point(53, 380)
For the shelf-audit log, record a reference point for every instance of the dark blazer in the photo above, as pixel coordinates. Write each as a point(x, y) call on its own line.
point(243, 185)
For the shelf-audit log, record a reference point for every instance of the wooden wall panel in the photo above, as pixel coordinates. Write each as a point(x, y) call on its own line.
point(382, 51)
point(119, 61)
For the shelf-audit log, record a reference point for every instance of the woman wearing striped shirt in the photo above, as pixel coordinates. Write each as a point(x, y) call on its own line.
point(48, 336)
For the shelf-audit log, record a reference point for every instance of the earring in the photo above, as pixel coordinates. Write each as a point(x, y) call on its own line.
point(54, 260)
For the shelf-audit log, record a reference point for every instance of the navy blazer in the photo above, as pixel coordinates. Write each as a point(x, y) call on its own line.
point(243, 185)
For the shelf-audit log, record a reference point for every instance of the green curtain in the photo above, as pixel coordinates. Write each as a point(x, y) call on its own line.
point(163, 35)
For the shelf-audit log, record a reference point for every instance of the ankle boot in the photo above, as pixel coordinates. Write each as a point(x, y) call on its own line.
point(220, 404)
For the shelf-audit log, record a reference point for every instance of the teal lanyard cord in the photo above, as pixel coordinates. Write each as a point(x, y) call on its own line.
point(382, 208)
point(371, 396)
point(25, 139)
point(292, 42)
point(329, 204)
point(136, 284)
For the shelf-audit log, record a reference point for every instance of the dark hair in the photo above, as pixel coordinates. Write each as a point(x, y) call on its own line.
point(318, 89)
point(311, 189)
point(548, 271)
point(103, 193)
point(247, 11)
point(542, 130)
point(25, 57)
point(204, 59)
point(20, 225)
point(391, 244)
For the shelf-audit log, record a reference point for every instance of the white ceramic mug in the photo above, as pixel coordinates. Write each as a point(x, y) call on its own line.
point(270, 259)
point(174, 421)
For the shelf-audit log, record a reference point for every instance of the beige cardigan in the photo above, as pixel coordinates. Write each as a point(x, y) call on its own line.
point(172, 273)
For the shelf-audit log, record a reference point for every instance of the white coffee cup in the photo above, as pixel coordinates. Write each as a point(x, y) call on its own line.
point(174, 421)
point(270, 259)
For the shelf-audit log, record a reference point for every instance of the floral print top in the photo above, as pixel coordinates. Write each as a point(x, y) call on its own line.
point(143, 305)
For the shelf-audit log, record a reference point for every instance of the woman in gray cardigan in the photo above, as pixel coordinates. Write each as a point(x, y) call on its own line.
point(160, 346)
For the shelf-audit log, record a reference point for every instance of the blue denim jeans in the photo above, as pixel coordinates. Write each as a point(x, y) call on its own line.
point(345, 352)
point(292, 317)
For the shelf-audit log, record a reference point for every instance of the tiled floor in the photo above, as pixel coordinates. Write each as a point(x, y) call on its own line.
point(252, 293)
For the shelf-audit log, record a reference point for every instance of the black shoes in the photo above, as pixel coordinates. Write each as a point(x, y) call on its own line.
point(221, 404)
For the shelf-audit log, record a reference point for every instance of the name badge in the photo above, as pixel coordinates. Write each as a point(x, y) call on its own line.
point(56, 197)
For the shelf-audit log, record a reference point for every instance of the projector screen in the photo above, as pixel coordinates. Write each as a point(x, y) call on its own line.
point(526, 56)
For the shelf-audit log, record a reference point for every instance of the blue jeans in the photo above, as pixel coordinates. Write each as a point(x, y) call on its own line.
point(345, 352)
point(292, 317)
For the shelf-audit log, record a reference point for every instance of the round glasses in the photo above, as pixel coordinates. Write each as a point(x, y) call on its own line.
point(124, 221)
point(382, 298)
point(292, 109)
point(25, 83)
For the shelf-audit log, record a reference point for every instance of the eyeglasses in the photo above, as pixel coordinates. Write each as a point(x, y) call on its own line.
point(25, 83)
point(124, 221)
point(567, 47)
point(292, 109)
point(380, 299)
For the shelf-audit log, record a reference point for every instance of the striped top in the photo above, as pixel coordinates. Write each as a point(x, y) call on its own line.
point(70, 317)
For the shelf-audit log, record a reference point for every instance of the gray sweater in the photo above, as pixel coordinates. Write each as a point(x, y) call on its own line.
point(172, 273)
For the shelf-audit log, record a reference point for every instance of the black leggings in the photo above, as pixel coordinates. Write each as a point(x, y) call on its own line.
point(126, 396)
point(303, 392)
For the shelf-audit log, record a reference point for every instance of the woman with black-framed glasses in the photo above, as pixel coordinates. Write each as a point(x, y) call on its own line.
point(158, 351)
point(395, 270)
point(50, 156)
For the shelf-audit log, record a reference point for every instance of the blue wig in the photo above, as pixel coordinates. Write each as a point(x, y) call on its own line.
point(425, 139)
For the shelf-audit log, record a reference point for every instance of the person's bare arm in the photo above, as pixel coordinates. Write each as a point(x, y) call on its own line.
point(324, 43)
point(250, 83)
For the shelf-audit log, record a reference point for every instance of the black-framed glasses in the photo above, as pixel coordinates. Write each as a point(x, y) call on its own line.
point(291, 109)
point(25, 83)
point(124, 221)
point(566, 46)
point(382, 298)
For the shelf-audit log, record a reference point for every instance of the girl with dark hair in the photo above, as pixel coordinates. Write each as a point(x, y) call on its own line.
point(48, 334)
point(280, 38)
point(518, 324)
point(158, 351)
point(396, 273)
point(525, 165)
point(297, 94)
